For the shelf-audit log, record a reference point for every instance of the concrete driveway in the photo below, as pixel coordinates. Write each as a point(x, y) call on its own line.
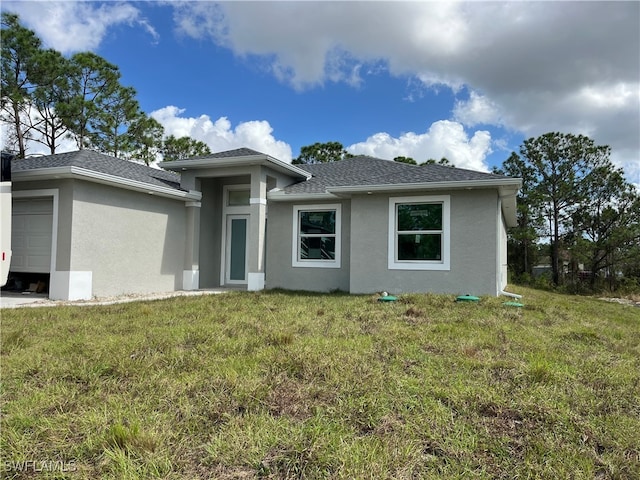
point(17, 300)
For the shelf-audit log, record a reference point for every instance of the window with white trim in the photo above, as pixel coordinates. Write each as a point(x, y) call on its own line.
point(419, 233)
point(316, 236)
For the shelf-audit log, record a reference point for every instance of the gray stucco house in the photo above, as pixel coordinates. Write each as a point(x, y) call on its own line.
point(101, 226)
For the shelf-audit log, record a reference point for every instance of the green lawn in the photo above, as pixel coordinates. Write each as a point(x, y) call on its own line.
point(293, 385)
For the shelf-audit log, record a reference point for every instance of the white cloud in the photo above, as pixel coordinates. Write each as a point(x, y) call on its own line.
point(572, 67)
point(477, 110)
point(77, 26)
point(219, 135)
point(443, 139)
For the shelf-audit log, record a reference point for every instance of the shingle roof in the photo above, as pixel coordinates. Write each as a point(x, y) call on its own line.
point(238, 152)
point(364, 170)
point(98, 162)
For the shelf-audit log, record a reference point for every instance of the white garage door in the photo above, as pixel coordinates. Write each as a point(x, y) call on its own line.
point(31, 227)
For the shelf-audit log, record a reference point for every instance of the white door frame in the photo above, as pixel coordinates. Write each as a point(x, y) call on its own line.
point(229, 212)
point(228, 244)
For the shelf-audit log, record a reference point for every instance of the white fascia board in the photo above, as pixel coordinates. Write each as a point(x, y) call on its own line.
point(448, 185)
point(106, 179)
point(279, 196)
point(247, 160)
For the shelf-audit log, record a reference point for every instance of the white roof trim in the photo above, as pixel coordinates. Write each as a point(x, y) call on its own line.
point(106, 179)
point(514, 183)
point(280, 196)
point(245, 160)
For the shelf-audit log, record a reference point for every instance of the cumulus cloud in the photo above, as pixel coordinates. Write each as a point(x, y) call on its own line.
point(443, 139)
point(77, 26)
point(478, 109)
point(220, 135)
point(541, 66)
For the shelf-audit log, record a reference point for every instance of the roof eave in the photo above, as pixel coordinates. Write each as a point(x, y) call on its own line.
point(246, 160)
point(281, 196)
point(502, 184)
point(105, 179)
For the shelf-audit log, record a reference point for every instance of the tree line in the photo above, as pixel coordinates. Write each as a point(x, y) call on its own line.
point(577, 209)
point(335, 151)
point(47, 97)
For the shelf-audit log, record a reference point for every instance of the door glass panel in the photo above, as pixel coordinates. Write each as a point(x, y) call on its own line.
point(237, 260)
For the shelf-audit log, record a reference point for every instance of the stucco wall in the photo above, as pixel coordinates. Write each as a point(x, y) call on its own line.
point(473, 248)
point(131, 242)
point(281, 274)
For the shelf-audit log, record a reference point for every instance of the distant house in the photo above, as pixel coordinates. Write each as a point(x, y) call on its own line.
point(100, 226)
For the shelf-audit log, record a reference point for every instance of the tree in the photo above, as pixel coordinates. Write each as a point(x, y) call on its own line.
point(92, 83)
point(110, 125)
point(184, 147)
point(19, 47)
point(522, 248)
point(321, 153)
point(443, 161)
point(47, 97)
point(408, 160)
point(50, 76)
point(146, 138)
point(560, 166)
point(606, 226)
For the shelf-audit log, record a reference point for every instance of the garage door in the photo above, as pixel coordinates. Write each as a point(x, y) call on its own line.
point(31, 227)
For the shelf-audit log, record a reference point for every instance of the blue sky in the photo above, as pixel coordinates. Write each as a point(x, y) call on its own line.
point(469, 81)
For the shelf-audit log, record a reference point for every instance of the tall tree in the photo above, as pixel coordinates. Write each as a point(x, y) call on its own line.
point(606, 226)
point(50, 77)
point(184, 147)
point(560, 166)
point(145, 134)
point(110, 124)
point(321, 153)
point(522, 238)
point(92, 83)
point(19, 47)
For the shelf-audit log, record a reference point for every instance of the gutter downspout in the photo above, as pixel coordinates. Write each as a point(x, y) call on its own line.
point(499, 265)
point(509, 294)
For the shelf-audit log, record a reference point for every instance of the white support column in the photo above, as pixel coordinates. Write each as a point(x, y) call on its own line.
point(191, 273)
point(257, 229)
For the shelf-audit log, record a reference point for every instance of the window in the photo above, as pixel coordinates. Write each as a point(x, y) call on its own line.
point(316, 236)
point(238, 197)
point(419, 233)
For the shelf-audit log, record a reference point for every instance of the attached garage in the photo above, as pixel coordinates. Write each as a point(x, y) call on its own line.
point(89, 225)
point(31, 235)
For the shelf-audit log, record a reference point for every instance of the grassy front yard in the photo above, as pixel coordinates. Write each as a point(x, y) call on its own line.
point(290, 385)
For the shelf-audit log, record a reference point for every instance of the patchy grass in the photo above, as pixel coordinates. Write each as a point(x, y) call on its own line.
point(294, 385)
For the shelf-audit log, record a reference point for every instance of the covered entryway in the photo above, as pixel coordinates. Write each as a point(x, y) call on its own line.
point(229, 224)
point(31, 235)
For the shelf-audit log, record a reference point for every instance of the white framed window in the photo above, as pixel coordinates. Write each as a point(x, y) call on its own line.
point(316, 236)
point(419, 233)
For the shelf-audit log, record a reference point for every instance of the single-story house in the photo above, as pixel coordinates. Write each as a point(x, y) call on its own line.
point(100, 226)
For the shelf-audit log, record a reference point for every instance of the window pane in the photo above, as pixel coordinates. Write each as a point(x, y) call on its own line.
point(317, 248)
point(420, 247)
point(423, 216)
point(239, 197)
point(318, 222)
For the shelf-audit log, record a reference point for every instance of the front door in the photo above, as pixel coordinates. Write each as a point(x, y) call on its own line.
point(236, 249)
